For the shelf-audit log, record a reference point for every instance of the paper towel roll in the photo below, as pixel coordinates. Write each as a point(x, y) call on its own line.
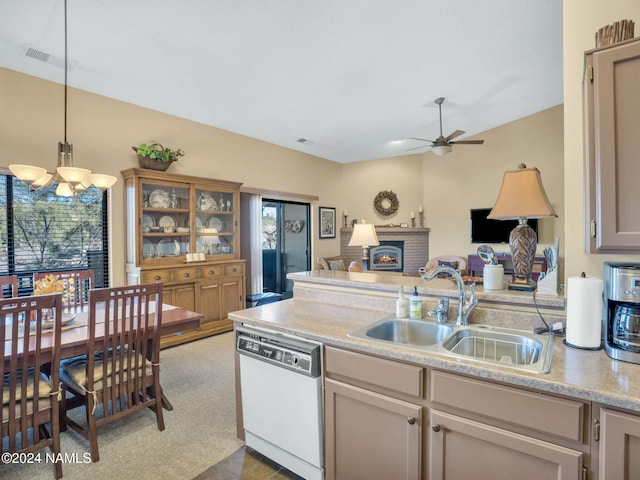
point(584, 312)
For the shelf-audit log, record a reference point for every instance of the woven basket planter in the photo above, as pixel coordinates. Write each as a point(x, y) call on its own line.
point(153, 164)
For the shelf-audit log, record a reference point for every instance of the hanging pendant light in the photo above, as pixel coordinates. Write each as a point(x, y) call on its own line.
point(71, 179)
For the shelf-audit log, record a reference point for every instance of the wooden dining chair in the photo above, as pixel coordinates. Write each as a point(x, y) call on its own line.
point(8, 286)
point(121, 373)
point(76, 285)
point(30, 399)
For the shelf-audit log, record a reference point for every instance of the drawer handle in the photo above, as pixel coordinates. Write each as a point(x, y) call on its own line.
point(411, 420)
point(234, 270)
point(435, 427)
point(157, 277)
point(212, 272)
point(187, 275)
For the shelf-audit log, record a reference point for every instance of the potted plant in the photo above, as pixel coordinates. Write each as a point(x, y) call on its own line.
point(154, 156)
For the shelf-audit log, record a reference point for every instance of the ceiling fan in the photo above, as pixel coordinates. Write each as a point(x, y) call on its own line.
point(442, 145)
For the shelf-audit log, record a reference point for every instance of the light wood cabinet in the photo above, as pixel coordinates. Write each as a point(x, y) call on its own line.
point(619, 454)
point(169, 216)
point(611, 106)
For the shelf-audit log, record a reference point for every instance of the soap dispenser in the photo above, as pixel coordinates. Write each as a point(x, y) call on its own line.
point(402, 305)
point(415, 305)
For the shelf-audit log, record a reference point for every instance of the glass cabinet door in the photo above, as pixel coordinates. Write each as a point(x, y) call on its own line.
point(215, 222)
point(165, 221)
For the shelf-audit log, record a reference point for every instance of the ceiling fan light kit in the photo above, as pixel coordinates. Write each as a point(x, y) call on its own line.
point(442, 145)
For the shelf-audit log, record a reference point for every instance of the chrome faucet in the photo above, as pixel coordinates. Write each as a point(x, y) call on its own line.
point(466, 305)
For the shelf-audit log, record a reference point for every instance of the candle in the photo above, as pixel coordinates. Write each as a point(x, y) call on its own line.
point(420, 208)
point(413, 215)
point(345, 212)
point(364, 221)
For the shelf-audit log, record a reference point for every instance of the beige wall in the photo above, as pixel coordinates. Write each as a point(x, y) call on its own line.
point(582, 18)
point(471, 176)
point(102, 131)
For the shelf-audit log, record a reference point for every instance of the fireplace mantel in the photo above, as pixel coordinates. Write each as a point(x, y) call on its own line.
point(416, 245)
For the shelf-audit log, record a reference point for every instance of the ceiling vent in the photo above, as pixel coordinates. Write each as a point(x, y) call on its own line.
point(36, 53)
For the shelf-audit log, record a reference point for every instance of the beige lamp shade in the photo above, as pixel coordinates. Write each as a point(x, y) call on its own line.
point(364, 235)
point(522, 195)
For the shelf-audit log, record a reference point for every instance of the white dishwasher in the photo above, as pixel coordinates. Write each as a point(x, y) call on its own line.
point(281, 383)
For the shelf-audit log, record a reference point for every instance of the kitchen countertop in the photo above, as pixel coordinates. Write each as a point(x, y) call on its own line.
point(582, 374)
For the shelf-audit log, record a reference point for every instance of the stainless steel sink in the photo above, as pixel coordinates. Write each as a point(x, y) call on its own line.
point(514, 348)
point(517, 349)
point(404, 331)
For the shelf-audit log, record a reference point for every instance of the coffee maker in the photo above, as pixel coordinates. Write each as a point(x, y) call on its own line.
point(621, 315)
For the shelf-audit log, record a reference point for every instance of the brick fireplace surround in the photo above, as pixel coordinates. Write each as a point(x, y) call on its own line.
point(416, 246)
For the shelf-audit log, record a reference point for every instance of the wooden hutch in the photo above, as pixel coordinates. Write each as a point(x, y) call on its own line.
point(184, 231)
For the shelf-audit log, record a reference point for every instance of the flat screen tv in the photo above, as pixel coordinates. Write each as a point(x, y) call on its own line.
point(484, 230)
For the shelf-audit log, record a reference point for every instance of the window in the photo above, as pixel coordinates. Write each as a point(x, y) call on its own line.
point(40, 231)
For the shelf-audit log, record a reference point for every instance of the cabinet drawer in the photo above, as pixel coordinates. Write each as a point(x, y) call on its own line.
point(556, 416)
point(211, 271)
point(185, 274)
point(152, 276)
point(234, 269)
point(389, 375)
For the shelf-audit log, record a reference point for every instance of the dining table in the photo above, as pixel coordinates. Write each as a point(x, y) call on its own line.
point(74, 334)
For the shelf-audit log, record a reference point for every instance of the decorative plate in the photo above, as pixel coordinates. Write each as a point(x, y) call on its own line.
point(168, 247)
point(147, 221)
point(215, 222)
point(207, 202)
point(147, 249)
point(167, 221)
point(159, 199)
point(198, 223)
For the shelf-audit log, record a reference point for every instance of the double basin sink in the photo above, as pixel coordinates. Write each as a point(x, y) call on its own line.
point(517, 349)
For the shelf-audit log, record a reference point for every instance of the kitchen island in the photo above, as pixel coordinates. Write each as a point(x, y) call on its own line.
point(328, 306)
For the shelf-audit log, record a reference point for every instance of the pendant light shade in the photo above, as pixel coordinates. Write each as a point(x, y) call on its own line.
point(70, 179)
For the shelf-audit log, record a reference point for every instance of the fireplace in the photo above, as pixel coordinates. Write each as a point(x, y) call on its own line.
point(387, 256)
point(415, 246)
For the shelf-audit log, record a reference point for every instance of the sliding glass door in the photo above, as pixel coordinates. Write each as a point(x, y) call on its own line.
point(286, 244)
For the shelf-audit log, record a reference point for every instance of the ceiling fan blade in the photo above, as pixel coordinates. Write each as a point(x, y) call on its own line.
point(418, 148)
point(455, 134)
point(468, 142)
point(420, 139)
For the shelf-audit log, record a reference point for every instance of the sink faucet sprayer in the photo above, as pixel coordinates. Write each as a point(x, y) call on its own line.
point(466, 305)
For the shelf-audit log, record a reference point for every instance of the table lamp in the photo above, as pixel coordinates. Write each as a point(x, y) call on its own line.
point(522, 196)
point(364, 235)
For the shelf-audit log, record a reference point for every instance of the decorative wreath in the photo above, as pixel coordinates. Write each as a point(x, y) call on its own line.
point(386, 203)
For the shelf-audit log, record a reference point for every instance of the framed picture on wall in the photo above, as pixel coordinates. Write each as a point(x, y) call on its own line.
point(327, 222)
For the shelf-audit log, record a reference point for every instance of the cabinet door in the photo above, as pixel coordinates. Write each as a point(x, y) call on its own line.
point(619, 445)
point(616, 141)
point(210, 301)
point(368, 435)
point(462, 448)
point(183, 296)
point(231, 295)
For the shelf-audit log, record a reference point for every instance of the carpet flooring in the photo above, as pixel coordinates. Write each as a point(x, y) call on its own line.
point(200, 432)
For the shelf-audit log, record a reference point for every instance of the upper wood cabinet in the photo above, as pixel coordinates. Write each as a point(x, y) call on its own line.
point(612, 141)
point(171, 215)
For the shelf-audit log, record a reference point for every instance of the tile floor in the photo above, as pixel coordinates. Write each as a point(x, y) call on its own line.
point(247, 464)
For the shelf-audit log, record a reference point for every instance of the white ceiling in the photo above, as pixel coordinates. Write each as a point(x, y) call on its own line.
point(351, 76)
